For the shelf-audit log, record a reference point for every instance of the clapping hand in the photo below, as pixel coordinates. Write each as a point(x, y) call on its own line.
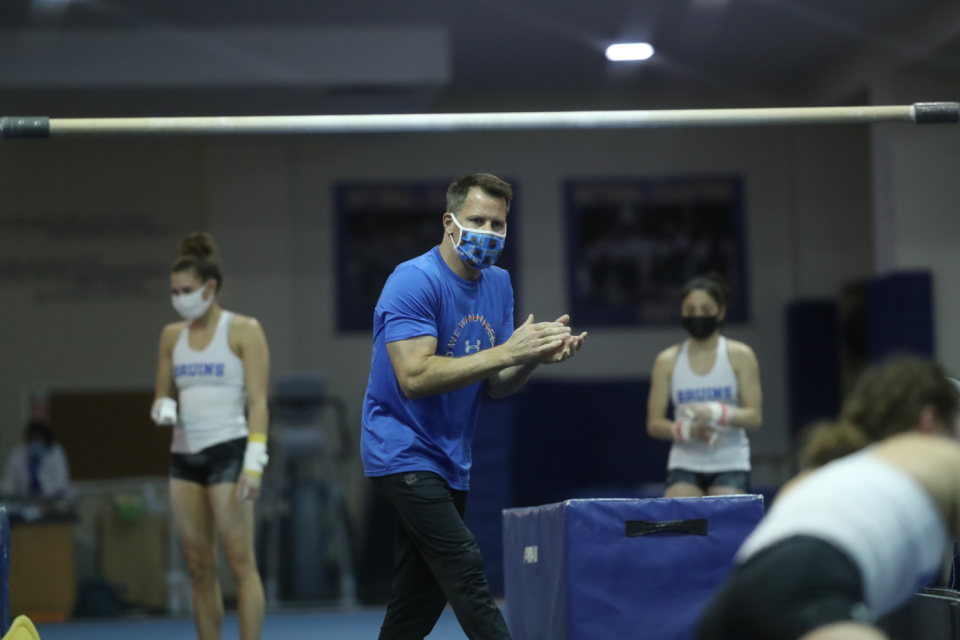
point(568, 349)
point(534, 341)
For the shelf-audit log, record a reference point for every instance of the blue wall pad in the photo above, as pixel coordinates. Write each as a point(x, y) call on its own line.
point(620, 569)
point(572, 436)
point(813, 361)
point(4, 571)
point(901, 314)
point(491, 485)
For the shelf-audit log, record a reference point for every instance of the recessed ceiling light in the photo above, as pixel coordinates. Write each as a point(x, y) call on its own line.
point(629, 51)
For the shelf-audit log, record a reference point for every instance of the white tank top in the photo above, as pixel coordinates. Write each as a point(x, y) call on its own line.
point(876, 513)
point(213, 396)
point(720, 385)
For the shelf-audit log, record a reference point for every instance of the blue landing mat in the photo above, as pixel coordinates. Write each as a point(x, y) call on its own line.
point(354, 625)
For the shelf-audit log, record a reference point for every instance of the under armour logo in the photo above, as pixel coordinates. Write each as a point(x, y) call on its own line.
point(472, 347)
point(410, 478)
point(529, 555)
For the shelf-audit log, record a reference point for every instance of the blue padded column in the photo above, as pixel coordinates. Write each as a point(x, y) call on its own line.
point(813, 361)
point(4, 571)
point(901, 314)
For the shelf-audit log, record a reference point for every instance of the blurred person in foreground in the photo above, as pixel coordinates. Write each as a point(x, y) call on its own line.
point(36, 469)
point(854, 539)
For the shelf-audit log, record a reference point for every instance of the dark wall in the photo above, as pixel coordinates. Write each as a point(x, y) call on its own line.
point(572, 437)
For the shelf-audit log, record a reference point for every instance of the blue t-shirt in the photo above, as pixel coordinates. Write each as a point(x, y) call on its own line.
point(424, 297)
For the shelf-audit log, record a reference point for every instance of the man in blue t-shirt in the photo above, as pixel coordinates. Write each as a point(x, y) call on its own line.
point(443, 333)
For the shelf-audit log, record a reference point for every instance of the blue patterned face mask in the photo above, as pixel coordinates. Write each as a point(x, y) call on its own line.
point(478, 249)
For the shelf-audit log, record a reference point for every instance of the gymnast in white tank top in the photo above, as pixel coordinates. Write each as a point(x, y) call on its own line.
point(213, 394)
point(714, 386)
point(211, 388)
point(730, 451)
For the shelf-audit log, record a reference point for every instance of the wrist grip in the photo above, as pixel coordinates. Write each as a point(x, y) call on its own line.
point(255, 458)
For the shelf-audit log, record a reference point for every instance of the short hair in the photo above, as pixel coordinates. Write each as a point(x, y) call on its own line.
point(491, 185)
point(41, 430)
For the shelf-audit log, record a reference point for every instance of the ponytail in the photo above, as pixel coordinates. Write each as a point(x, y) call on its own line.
point(827, 441)
point(887, 400)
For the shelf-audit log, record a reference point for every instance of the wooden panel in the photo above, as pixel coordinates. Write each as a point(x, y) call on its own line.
point(42, 580)
point(110, 435)
point(133, 557)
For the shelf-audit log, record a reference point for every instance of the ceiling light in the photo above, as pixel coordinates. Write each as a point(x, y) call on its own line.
point(629, 51)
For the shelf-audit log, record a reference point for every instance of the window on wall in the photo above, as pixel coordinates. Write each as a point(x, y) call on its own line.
point(379, 226)
point(633, 244)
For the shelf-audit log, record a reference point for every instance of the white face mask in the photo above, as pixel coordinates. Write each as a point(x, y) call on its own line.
point(192, 305)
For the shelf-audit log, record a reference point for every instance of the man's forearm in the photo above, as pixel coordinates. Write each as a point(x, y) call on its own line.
point(439, 374)
point(510, 380)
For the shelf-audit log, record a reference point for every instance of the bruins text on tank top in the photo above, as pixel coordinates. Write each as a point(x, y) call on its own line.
point(213, 395)
point(719, 385)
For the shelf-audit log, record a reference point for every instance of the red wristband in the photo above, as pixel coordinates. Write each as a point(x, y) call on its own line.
point(678, 431)
point(725, 415)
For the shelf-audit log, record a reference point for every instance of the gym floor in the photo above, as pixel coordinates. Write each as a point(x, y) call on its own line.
point(362, 624)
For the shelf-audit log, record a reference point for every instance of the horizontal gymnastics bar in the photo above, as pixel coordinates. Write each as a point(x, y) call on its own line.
point(42, 127)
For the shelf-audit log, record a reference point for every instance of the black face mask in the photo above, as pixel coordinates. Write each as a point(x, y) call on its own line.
point(700, 327)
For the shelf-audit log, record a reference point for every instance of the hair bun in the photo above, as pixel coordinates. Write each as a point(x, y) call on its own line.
point(720, 280)
point(198, 244)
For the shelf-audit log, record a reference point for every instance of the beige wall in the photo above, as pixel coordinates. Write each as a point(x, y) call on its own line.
point(87, 231)
point(269, 203)
point(917, 198)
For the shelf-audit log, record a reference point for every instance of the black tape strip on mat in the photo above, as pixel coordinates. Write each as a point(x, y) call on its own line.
point(25, 127)
point(637, 528)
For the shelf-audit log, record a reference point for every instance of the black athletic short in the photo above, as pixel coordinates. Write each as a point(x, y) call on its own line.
point(785, 592)
point(214, 465)
point(733, 479)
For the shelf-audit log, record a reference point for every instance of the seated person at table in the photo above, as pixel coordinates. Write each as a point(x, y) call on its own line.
point(36, 469)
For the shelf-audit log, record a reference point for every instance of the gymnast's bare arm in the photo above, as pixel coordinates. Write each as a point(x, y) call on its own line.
point(164, 387)
point(933, 459)
point(744, 362)
point(658, 426)
point(248, 341)
point(250, 344)
point(421, 373)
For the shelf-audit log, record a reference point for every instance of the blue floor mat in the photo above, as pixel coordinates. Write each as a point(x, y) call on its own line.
point(353, 625)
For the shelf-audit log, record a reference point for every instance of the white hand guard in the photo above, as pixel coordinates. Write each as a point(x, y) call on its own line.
point(716, 438)
point(164, 411)
point(719, 414)
point(255, 458)
point(683, 431)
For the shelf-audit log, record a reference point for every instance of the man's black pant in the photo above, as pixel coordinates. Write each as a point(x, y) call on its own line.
point(437, 560)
